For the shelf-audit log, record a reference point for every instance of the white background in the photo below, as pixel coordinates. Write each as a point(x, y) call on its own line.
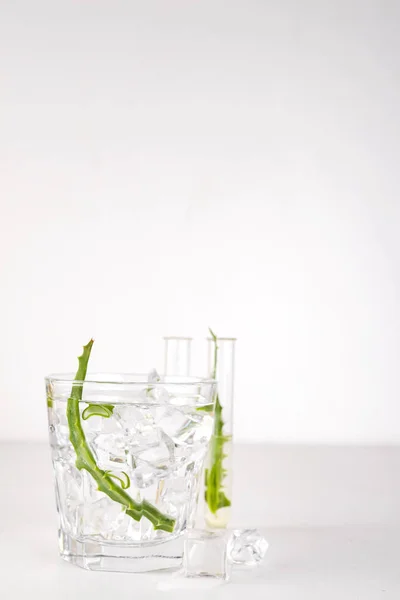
point(165, 166)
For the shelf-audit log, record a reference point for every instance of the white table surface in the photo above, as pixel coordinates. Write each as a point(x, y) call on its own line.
point(331, 515)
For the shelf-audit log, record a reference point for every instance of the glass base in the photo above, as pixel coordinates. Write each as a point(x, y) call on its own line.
point(96, 556)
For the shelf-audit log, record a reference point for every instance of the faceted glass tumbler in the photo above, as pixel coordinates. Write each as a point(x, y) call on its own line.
point(127, 456)
point(205, 554)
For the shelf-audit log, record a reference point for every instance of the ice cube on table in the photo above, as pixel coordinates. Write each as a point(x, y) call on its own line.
point(205, 554)
point(247, 547)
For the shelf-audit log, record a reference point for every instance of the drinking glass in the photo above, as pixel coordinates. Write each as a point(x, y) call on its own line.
point(127, 456)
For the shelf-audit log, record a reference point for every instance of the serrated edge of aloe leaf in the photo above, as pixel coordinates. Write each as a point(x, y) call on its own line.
point(98, 410)
point(214, 495)
point(124, 484)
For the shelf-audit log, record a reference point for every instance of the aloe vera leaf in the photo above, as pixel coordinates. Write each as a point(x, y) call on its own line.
point(85, 458)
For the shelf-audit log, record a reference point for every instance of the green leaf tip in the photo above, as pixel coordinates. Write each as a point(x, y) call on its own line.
point(214, 337)
point(88, 346)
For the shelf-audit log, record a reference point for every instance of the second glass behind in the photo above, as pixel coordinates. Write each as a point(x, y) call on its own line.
point(216, 499)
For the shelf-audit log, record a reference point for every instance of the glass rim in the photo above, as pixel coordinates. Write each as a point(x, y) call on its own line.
point(222, 339)
point(141, 379)
point(177, 337)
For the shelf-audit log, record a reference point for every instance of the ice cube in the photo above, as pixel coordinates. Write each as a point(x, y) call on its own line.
point(155, 394)
point(153, 460)
point(96, 424)
point(59, 428)
point(205, 554)
point(140, 442)
point(65, 455)
point(158, 456)
point(133, 419)
point(153, 376)
point(185, 428)
point(174, 494)
point(247, 547)
point(143, 476)
point(90, 488)
point(111, 450)
point(131, 530)
point(172, 421)
point(191, 456)
point(175, 490)
point(101, 517)
point(69, 494)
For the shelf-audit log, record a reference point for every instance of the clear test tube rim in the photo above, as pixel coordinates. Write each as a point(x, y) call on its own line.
point(177, 337)
point(210, 349)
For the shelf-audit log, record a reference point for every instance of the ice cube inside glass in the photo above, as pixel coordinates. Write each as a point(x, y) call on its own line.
point(127, 462)
point(205, 554)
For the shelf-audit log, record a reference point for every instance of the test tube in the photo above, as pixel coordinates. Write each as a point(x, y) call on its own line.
point(218, 471)
point(177, 355)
